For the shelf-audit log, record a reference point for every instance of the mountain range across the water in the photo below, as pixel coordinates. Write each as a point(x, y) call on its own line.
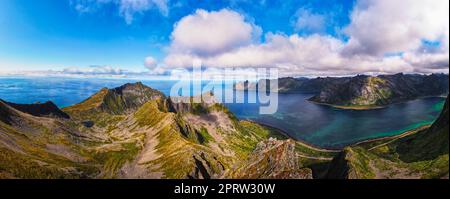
point(134, 131)
point(361, 91)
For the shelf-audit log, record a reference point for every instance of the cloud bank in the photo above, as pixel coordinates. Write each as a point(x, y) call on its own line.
point(384, 36)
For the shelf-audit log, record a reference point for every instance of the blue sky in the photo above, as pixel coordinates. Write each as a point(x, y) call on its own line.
point(52, 33)
point(56, 34)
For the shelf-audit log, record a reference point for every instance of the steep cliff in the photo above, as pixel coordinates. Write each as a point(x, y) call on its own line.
point(272, 159)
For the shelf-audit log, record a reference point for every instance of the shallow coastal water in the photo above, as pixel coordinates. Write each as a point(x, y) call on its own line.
point(319, 125)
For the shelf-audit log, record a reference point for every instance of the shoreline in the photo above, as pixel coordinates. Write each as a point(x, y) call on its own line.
point(339, 149)
point(366, 108)
point(309, 145)
point(405, 133)
point(342, 107)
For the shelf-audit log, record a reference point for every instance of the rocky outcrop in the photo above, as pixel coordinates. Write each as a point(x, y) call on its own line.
point(196, 105)
point(273, 159)
point(205, 167)
point(351, 163)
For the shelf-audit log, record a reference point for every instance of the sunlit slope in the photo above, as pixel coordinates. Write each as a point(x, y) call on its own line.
point(134, 131)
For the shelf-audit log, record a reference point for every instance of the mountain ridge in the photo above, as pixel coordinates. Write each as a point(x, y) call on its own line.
point(165, 139)
point(47, 109)
point(361, 91)
point(132, 141)
point(382, 90)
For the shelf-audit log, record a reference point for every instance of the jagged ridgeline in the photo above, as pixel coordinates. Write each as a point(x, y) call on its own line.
point(134, 131)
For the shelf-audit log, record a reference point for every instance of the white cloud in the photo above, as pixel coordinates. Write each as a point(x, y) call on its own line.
point(377, 29)
point(308, 22)
point(150, 62)
point(210, 33)
point(383, 26)
point(128, 9)
point(93, 70)
point(297, 55)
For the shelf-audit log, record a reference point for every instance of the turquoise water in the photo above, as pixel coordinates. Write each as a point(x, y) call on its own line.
point(334, 128)
point(317, 124)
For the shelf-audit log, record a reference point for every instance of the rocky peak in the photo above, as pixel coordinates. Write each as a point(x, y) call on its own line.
point(128, 98)
point(130, 87)
point(197, 104)
point(121, 100)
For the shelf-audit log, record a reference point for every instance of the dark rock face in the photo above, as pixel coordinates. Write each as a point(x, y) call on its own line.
point(197, 105)
point(5, 113)
point(88, 124)
point(339, 168)
point(205, 167)
point(47, 109)
point(178, 107)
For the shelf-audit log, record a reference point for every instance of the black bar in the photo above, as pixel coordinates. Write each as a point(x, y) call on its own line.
point(283, 188)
